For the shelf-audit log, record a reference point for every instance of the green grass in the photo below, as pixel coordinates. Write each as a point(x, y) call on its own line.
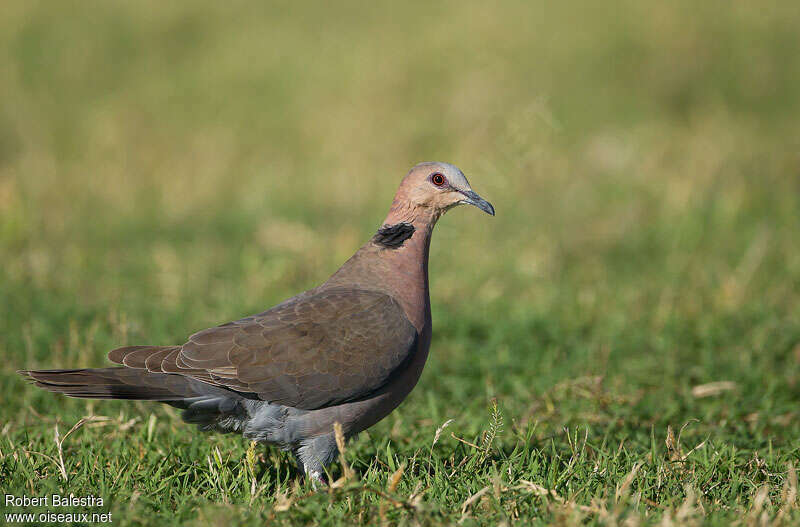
point(169, 166)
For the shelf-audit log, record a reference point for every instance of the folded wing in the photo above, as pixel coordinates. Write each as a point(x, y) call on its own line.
point(315, 350)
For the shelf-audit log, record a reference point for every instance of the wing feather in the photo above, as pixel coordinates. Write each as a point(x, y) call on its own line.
point(315, 350)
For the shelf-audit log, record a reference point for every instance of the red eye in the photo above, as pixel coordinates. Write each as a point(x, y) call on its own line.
point(438, 179)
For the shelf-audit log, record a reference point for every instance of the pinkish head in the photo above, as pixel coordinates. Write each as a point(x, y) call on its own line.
point(437, 187)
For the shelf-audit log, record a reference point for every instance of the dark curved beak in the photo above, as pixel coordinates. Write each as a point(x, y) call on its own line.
point(473, 199)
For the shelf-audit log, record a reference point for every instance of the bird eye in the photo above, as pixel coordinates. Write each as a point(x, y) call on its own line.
point(438, 179)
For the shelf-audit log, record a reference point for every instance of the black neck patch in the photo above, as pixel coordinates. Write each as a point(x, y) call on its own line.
point(393, 236)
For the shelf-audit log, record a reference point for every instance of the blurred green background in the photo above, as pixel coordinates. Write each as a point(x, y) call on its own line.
point(167, 166)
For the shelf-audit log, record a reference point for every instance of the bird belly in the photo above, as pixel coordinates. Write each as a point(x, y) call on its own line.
point(357, 416)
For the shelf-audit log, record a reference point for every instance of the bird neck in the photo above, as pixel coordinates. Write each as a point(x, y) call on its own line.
point(403, 211)
point(405, 262)
point(395, 261)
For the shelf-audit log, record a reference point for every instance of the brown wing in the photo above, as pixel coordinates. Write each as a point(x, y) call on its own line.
point(312, 351)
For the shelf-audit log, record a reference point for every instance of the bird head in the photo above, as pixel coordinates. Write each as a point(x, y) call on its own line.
point(438, 187)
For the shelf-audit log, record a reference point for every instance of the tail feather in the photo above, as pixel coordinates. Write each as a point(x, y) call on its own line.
point(146, 376)
point(120, 383)
point(223, 414)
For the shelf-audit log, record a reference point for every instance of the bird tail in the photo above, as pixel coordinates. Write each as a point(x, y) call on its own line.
point(117, 383)
point(209, 407)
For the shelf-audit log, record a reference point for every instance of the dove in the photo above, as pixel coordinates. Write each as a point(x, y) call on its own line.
point(348, 351)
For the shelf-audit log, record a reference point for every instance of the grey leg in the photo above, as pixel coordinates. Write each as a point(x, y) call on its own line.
point(315, 454)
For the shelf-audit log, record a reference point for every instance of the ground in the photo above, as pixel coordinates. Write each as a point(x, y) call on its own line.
point(619, 345)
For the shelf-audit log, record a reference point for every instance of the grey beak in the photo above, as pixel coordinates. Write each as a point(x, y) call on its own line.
point(473, 199)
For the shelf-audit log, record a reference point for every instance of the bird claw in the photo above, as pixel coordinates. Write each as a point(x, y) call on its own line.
point(318, 481)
